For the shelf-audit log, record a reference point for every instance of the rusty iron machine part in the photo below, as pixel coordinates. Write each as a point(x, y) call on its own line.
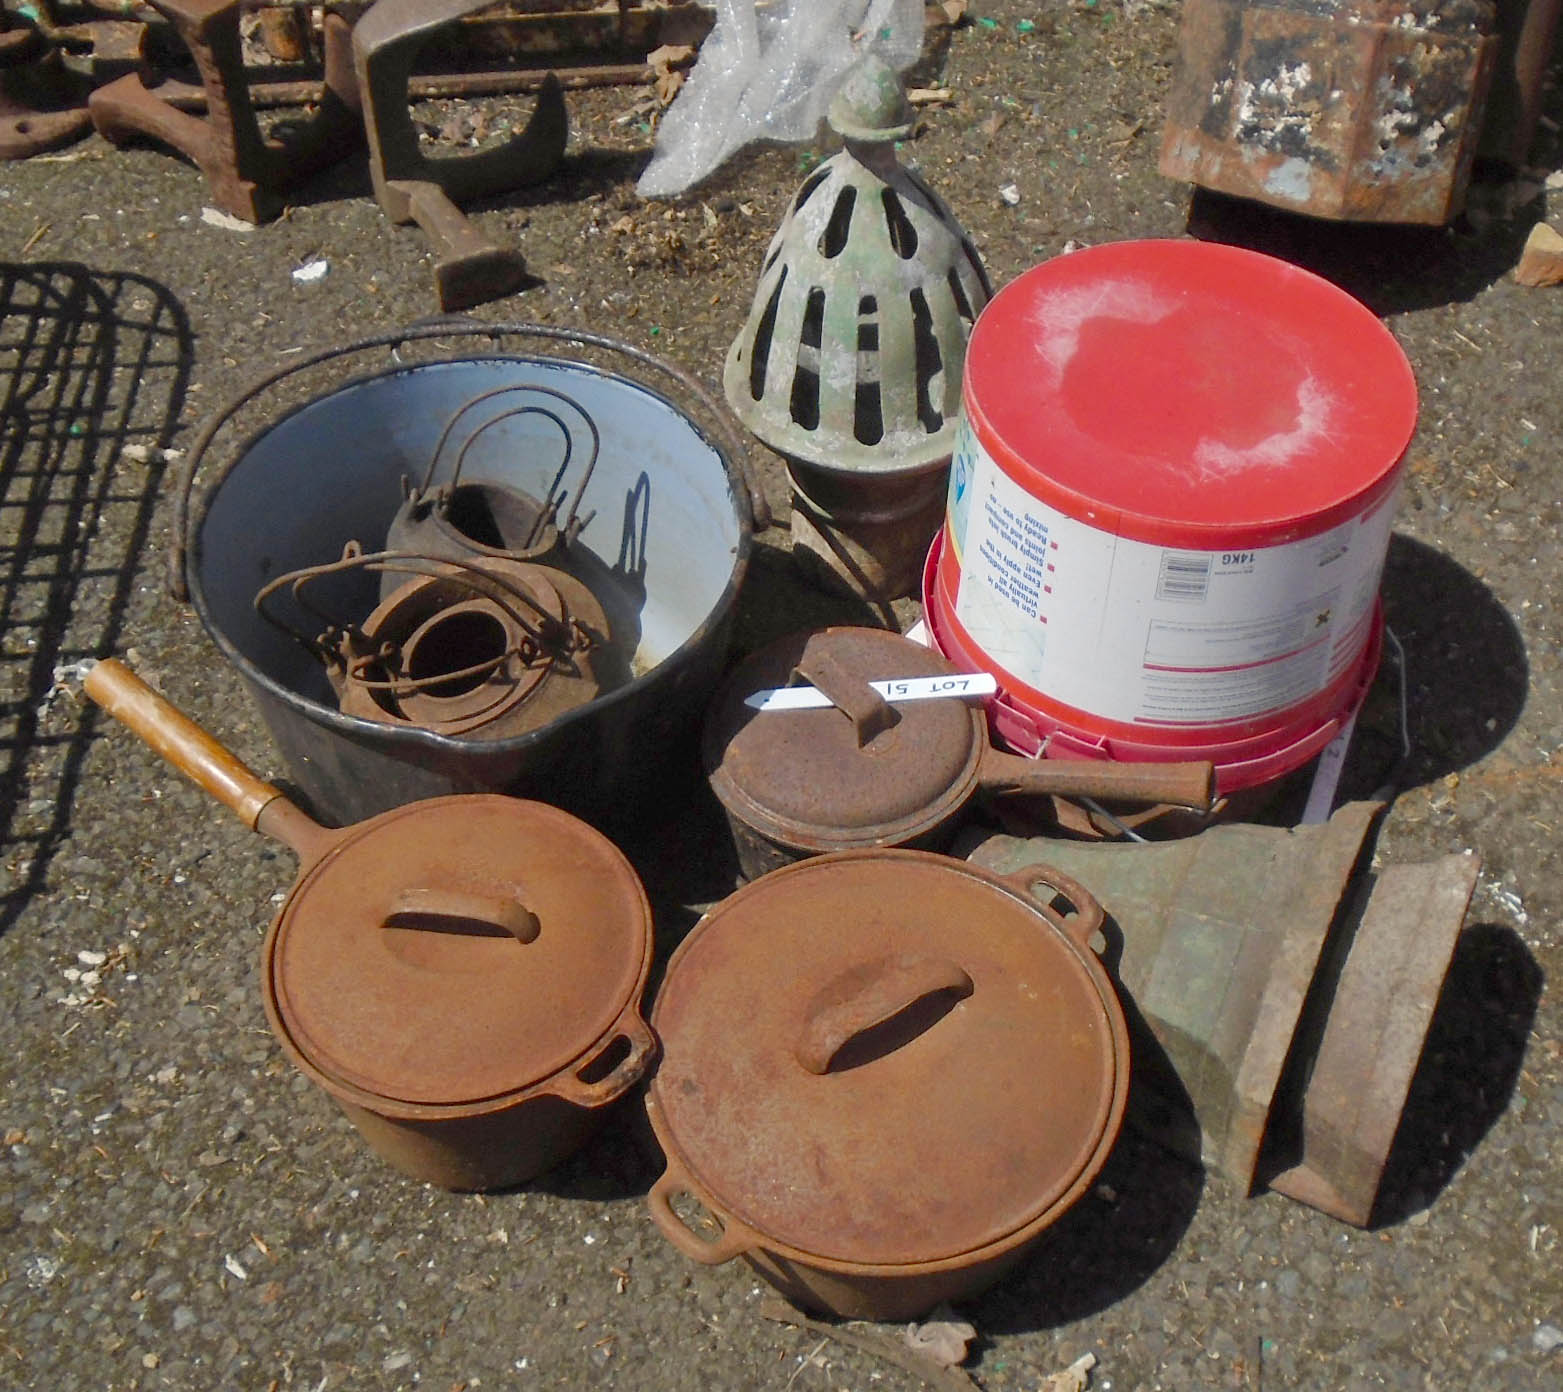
point(461, 649)
point(368, 967)
point(43, 105)
point(458, 519)
point(1527, 33)
point(1358, 110)
point(246, 170)
point(1287, 992)
point(514, 40)
point(587, 42)
point(410, 187)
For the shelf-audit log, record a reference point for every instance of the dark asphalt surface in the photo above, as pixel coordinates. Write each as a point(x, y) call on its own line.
point(180, 1209)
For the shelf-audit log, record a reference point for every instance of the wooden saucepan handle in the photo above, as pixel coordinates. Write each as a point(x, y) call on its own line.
point(179, 739)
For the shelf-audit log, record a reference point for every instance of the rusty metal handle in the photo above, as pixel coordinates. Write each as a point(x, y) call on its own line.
point(629, 1070)
point(430, 902)
point(1191, 784)
point(736, 1239)
point(179, 739)
point(725, 425)
point(868, 711)
point(1086, 915)
point(868, 995)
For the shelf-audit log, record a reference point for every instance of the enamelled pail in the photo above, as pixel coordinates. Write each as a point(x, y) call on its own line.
point(1169, 506)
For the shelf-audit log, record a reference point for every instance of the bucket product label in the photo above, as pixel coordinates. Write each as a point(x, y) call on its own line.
point(1139, 633)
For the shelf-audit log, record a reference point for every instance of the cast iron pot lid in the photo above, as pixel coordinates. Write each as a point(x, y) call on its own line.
point(821, 779)
point(400, 964)
point(972, 1113)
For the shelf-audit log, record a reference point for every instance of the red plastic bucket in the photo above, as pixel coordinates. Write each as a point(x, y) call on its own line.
point(1170, 502)
point(1243, 763)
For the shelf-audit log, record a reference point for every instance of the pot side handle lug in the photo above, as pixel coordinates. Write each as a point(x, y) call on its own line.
point(870, 995)
point(598, 1092)
point(736, 1239)
point(1085, 916)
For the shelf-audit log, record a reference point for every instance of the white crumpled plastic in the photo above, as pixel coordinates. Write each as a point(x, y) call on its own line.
point(768, 71)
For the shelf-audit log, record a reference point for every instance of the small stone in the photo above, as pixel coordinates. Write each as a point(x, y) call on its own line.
point(150, 1360)
point(184, 1317)
point(396, 1362)
point(1541, 263)
point(1548, 1338)
point(36, 1213)
point(88, 958)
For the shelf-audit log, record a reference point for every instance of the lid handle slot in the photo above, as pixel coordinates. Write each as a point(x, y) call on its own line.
point(875, 1008)
point(462, 911)
point(868, 711)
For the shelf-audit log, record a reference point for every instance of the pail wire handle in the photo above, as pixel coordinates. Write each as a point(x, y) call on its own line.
point(730, 440)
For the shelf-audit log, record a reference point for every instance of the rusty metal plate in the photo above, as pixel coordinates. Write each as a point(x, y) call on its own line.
point(521, 941)
point(860, 772)
point(1375, 1018)
point(887, 1057)
point(1219, 936)
point(1366, 111)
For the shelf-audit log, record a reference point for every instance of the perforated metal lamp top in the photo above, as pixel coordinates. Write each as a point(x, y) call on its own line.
point(852, 354)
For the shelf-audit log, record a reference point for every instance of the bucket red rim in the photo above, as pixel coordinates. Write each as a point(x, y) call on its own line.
point(1244, 762)
point(1267, 403)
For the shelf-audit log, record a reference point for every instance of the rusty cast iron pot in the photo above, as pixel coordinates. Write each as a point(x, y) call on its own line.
point(900, 1114)
point(865, 772)
point(462, 975)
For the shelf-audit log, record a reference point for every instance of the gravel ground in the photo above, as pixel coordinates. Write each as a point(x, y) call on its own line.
point(180, 1209)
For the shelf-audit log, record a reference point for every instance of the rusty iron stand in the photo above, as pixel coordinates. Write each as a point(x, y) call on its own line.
point(42, 103)
point(246, 170)
point(411, 187)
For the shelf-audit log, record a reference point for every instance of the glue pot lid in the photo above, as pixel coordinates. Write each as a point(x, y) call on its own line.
point(939, 1066)
point(458, 949)
point(820, 780)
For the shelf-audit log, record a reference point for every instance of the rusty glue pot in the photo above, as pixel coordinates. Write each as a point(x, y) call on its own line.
point(666, 524)
point(901, 1115)
point(463, 975)
point(863, 771)
point(473, 1035)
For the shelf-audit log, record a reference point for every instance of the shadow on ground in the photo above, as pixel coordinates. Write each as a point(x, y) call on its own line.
point(91, 362)
point(1469, 1068)
point(1391, 269)
point(1467, 675)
